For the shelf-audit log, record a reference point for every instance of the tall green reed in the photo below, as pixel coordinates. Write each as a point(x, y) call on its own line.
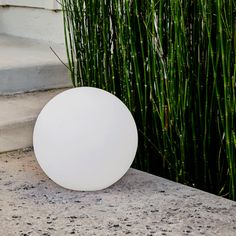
point(173, 64)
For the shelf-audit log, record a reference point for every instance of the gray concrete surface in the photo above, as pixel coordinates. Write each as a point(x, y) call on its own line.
point(17, 118)
point(138, 204)
point(28, 22)
point(30, 65)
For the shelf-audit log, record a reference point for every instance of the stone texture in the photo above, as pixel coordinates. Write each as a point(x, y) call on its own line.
point(138, 204)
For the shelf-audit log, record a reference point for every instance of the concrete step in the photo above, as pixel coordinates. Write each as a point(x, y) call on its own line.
point(34, 23)
point(17, 118)
point(42, 4)
point(138, 204)
point(29, 65)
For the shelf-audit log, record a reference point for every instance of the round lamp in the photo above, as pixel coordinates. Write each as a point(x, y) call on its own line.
point(85, 139)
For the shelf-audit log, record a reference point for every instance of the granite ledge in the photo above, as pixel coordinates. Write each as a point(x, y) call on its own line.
point(138, 204)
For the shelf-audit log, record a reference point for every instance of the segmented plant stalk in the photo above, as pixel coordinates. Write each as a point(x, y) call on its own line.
point(173, 64)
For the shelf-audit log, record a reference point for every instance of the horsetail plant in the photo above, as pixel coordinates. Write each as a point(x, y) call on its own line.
point(173, 63)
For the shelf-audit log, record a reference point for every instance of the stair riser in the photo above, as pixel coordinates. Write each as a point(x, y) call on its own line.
point(16, 80)
point(32, 23)
point(18, 115)
point(16, 136)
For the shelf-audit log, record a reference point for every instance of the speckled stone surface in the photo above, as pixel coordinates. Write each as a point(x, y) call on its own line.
point(138, 204)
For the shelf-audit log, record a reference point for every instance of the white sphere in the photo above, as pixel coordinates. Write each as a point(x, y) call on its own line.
point(85, 139)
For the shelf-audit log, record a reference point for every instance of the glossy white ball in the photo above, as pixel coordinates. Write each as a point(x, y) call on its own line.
point(85, 139)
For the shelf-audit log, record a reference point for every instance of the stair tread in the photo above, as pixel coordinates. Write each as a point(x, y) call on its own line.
point(29, 65)
point(23, 107)
point(138, 204)
point(17, 52)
